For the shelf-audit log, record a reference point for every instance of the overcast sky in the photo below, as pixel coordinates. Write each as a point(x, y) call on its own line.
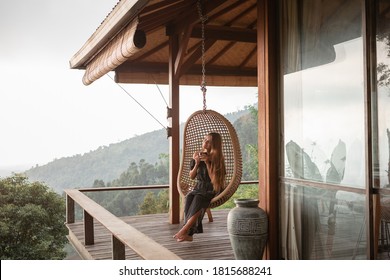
point(45, 110)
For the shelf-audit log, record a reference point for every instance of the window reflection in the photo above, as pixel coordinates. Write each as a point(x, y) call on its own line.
point(381, 127)
point(324, 133)
point(381, 106)
point(384, 235)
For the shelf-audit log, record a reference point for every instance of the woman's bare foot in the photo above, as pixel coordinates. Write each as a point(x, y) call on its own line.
point(181, 234)
point(176, 236)
point(185, 238)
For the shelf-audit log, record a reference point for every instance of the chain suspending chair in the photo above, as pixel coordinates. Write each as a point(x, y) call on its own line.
point(198, 125)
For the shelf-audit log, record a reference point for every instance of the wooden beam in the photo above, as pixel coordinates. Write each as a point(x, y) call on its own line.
point(193, 80)
point(248, 57)
point(153, 67)
point(190, 14)
point(194, 56)
point(226, 33)
point(174, 139)
point(229, 46)
point(268, 121)
point(221, 52)
point(161, 17)
point(227, 10)
point(185, 38)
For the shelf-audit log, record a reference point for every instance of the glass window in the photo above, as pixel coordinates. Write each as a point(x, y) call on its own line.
point(322, 197)
point(381, 127)
point(381, 110)
point(384, 230)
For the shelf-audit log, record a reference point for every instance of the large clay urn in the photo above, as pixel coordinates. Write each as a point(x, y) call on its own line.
point(248, 229)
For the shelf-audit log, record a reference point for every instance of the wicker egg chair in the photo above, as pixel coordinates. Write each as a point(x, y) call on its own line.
point(197, 126)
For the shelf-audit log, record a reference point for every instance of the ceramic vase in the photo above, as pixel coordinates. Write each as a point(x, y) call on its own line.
point(248, 229)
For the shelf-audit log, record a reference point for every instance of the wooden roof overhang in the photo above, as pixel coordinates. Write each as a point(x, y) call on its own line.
point(133, 41)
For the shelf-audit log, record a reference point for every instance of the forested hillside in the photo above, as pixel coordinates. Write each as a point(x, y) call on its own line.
point(136, 202)
point(109, 163)
point(106, 163)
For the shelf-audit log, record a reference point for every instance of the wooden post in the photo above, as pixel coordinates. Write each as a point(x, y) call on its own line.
point(268, 117)
point(89, 235)
point(70, 216)
point(118, 249)
point(174, 139)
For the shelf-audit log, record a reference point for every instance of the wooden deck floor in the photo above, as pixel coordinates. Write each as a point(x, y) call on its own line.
point(157, 227)
point(215, 235)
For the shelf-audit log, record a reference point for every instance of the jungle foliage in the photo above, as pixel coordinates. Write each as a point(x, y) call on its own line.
point(31, 221)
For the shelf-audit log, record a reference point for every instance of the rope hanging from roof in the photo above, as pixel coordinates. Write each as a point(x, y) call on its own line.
point(197, 126)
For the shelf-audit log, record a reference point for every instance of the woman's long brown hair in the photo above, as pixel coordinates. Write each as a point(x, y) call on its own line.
point(217, 170)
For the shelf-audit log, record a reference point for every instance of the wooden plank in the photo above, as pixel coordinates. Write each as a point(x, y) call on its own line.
point(227, 33)
point(78, 246)
point(137, 241)
point(214, 243)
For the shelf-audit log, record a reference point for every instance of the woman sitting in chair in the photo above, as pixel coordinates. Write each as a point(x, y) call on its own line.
point(208, 167)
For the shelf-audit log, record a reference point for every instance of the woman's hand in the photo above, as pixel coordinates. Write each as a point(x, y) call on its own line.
point(204, 156)
point(194, 170)
point(196, 157)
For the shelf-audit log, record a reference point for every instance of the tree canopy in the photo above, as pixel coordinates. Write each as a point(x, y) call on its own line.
point(31, 221)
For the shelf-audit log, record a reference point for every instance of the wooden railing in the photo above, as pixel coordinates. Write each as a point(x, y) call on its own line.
point(122, 233)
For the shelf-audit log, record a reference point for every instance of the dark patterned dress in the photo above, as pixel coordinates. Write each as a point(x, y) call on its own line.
point(199, 198)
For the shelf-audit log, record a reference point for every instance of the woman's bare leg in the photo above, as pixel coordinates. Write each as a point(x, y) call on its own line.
point(182, 235)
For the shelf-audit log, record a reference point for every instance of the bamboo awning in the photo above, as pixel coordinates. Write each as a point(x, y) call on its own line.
point(128, 42)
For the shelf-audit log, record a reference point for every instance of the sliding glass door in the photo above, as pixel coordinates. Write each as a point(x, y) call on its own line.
point(323, 182)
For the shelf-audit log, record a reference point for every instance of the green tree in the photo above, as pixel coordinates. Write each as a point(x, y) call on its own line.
point(243, 191)
point(246, 127)
point(31, 221)
point(149, 204)
point(163, 201)
point(154, 204)
point(98, 184)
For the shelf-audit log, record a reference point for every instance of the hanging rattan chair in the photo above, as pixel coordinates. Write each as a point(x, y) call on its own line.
point(197, 126)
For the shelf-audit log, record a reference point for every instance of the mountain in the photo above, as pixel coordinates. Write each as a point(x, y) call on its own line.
point(6, 171)
point(107, 162)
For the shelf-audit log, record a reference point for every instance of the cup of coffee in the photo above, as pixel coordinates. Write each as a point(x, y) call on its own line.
point(202, 155)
